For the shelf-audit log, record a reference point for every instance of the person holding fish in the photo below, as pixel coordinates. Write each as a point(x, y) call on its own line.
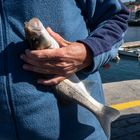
point(88, 35)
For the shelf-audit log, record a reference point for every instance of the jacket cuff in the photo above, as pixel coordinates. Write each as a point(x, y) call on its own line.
point(90, 68)
point(99, 60)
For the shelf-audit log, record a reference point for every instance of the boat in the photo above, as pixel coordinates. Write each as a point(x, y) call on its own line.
point(135, 22)
point(130, 49)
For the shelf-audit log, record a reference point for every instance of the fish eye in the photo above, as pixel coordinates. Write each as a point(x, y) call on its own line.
point(34, 40)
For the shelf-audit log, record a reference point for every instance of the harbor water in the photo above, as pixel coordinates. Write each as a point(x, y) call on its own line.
point(132, 34)
point(121, 85)
point(129, 67)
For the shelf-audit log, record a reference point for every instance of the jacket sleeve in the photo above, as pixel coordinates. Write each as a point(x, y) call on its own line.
point(107, 23)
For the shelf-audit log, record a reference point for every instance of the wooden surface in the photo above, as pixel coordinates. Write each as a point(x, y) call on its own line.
point(133, 44)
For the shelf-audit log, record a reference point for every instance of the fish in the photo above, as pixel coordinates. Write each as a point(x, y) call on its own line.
point(71, 88)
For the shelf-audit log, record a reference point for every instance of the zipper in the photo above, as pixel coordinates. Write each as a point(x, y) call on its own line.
point(6, 78)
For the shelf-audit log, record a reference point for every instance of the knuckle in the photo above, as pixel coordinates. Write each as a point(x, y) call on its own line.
point(63, 64)
point(38, 55)
point(59, 65)
point(55, 82)
point(69, 72)
point(65, 72)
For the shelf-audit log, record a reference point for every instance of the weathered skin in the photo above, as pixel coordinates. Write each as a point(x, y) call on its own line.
point(71, 88)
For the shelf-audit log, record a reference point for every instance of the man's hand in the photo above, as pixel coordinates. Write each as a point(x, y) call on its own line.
point(61, 62)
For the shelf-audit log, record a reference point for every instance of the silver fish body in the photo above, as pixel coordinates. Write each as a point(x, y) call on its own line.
point(71, 88)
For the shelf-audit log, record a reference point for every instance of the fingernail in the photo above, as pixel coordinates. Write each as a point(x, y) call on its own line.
point(25, 67)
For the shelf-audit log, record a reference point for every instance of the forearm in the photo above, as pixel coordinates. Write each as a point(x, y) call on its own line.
point(106, 39)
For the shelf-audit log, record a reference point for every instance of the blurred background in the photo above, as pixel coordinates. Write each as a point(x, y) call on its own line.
point(121, 80)
point(133, 33)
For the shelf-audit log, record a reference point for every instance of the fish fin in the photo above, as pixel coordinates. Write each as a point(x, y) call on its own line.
point(108, 115)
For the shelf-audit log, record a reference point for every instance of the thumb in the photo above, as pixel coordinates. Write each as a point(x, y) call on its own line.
point(62, 42)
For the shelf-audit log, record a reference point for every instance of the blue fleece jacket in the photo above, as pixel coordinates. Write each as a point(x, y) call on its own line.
point(29, 111)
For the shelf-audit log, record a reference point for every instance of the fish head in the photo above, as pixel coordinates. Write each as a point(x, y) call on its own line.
point(34, 34)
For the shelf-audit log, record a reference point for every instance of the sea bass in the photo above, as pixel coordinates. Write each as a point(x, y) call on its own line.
point(72, 88)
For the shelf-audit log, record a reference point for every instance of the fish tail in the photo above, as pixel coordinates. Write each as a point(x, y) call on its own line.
point(108, 115)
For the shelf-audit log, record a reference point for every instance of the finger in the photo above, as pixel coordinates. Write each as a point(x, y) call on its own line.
point(35, 69)
point(51, 82)
point(62, 42)
point(50, 70)
point(51, 65)
point(41, 70)
point(30, 61)
point(38, 63)
point(46, 54)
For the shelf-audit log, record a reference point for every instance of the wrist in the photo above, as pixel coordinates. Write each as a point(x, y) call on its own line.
point(87, 55)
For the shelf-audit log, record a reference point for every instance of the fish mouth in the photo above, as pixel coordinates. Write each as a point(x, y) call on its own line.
point(33, 27)
point(34, 21)
point(33, 32)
